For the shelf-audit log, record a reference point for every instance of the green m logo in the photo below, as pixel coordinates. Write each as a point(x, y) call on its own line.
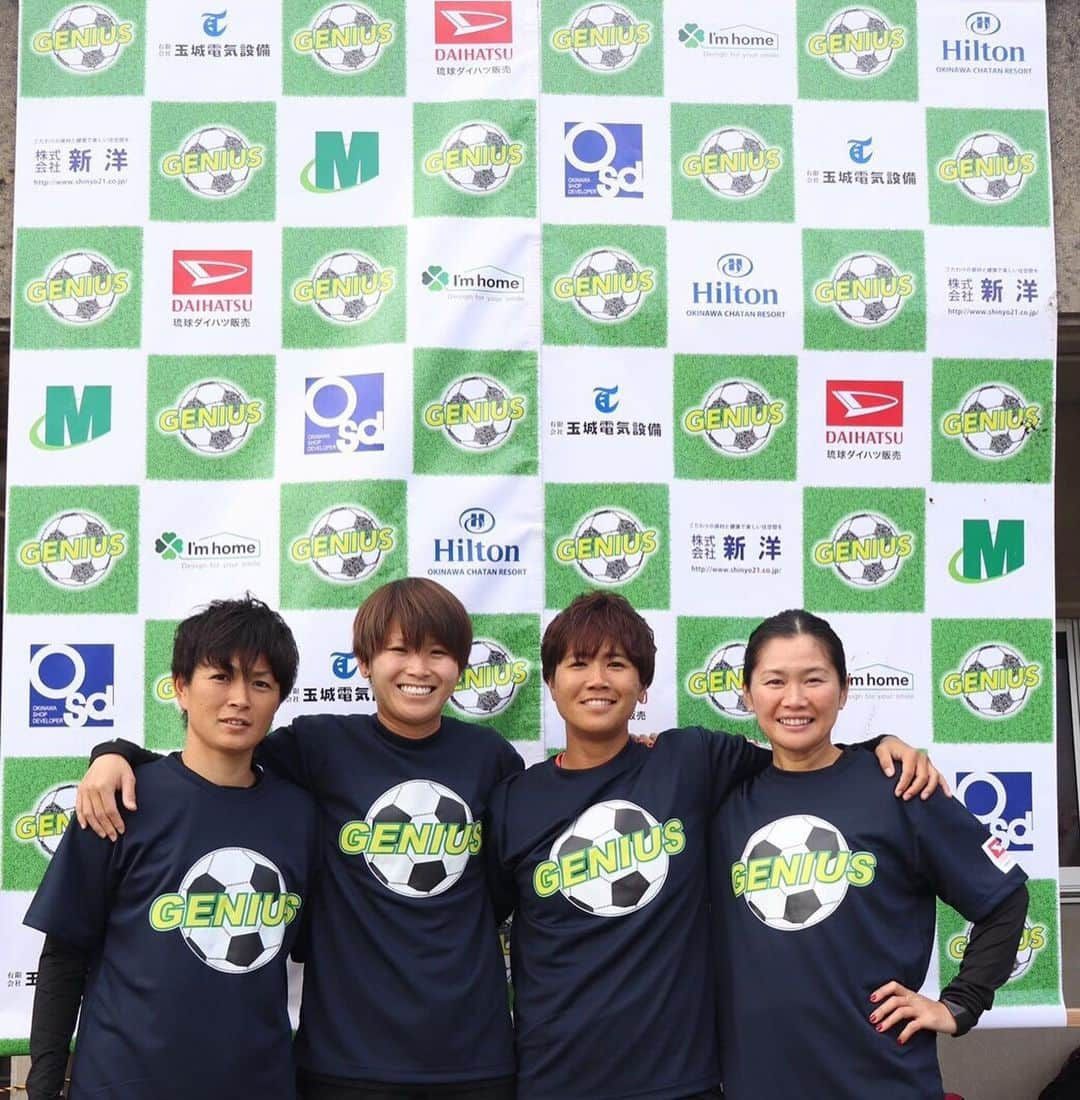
point(67, 423)
point(986, 556)
point(338, 166)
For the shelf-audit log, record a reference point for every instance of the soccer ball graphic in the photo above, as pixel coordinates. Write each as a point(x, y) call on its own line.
point(627, 889)
point(616, 305)
point(210, 184)
point(860, 63)
point(228, 948)
point(82, 309)
point(744, 440)
point(793, 908)
point(89, 59)
point(604, 59)
point(990, 188)
point(483, 702)
point(867, 311)
point(1025, 953)
point(991, 443)
point(76, 573)
point(346, 568)
point(485, 178)
point(346, 59)
point(60, 800)
point(622, 566)
point(348, 309)
point(214, 441)
point(992, 703)
point(735, 185)
point(728, 700)
point(867, 572)
point(419, 802)
point(478, 436)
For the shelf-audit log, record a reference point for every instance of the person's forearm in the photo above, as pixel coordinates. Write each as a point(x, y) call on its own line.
point(134, 754)
point(988, 960)
point(61, 981)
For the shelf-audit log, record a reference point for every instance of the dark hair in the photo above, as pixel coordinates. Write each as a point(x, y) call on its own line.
point(420, 609)
point(789, 624)
point(593, 621)
point(242, 630)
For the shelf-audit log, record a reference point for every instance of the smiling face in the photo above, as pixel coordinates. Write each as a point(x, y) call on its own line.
point(596, 695)
point(796, 694)
point(228, 709)
point(411, 685)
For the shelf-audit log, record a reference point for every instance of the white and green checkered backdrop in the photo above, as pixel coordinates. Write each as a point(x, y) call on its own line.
point(720, 306)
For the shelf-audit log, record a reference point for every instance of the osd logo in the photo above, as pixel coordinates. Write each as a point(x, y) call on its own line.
point(603, 160)
point(344, 415)
point(1002, 801)
point(71, 685)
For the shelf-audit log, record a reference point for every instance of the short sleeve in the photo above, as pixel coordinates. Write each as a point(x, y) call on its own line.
point(286, 752)
point(955, 854)
point(510, 762)
point(75, 896)
point(732, 760)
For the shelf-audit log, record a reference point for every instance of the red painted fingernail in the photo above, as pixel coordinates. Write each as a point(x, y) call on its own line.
point(873, 998)
point(880, 1027)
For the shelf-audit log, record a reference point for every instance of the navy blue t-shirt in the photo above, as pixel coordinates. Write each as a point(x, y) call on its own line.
point(613, 997)
point(823, 889)
point(190, 917)
point(404, 980)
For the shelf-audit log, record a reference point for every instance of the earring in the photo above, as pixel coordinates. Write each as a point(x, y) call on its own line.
point(645, 696)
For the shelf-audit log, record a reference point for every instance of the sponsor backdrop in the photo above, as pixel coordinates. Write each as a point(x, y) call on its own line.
point(726, 310)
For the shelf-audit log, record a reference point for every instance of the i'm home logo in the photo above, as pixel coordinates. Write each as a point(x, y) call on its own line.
point(612, 860)
point(795, 872)
point(345, 545)
point(994, 680)
point(477, 157)
point(416, 838)
point(486, 283)
point(341, 166)
point(212, 418)
point(867, 550)
point(232, 909)
point(735, 41)
point(346, 288)
point(867, 290)
point(74, 549)
point(212, 281)
point(474, 30)
point(80, 288)
point(603, 38)
point(881, 681)
point(46, 824)
point(215, 162)
point(477, 413)
point(345, 38)
point(988, 167)
point(607, 285)
point(219, 549)
point(859, 42)
point(72, 685)
point(490, 680)
point(70, 420)
point(84, 38)
point(609, 546)
point(988, 554)
point(993, 421)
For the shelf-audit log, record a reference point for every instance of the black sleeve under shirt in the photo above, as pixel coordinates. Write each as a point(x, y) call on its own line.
point(61, 980)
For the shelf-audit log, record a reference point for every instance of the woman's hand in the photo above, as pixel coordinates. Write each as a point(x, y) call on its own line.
point(896, 1003)
point(917, 774)
point(95, 800)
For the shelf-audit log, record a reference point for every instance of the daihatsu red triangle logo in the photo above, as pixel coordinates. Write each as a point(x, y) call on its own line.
point(473, 22)
point(873, 404)
point(211, 272)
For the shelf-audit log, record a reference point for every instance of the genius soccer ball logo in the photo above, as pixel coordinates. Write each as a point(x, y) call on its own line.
point(346, 288)
point(215, 162)
point(416, 838)
point(610, 546)
point(478, 157)
point(859, 42)
point(346, 545)
point(1033, 940)
point(994, 421)
point(50, 819)
point(84, 39)
point(988, 167)
point(607, 285)
point(867, 550)
point(721, 682)
point(734, 163)
point(489, 681)
point(736, 417)
point(80, 288)
point(612, 861)
point(994, 680)
point(232, 910)
point(603, 38)
point(345, 38)
point(477, 413)
point(866, 290)
point(795, 872)
point(74, 550)
point(213, 418)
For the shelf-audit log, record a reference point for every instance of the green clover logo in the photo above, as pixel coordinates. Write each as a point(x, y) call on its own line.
point(435, 278)
point(691, 36)
point(169, 545)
